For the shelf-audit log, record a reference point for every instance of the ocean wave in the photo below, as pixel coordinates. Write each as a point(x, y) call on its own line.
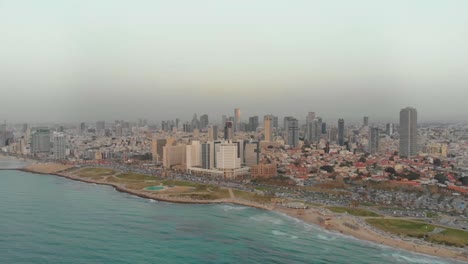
point(152, 201)
point(406, 259)
point(266, 218)
point(324, 237)
point(278, 233)
point(227, 208)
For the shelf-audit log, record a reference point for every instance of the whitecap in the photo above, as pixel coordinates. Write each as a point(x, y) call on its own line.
point(227, 208)
point(267, 218)
point(406, 259)
point(278, 233)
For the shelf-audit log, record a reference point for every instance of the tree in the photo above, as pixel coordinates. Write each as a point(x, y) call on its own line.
point(390, 170)
point(441, 178)
point(362, 159)
point(412, 176)
point(437, 162)
point(327, 168)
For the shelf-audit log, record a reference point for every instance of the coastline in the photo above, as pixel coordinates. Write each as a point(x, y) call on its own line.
point(340, 223)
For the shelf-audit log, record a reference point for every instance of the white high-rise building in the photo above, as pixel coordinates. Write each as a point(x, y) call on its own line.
point(408, 132)
point(226, 157)
point(194, 154)
point(58, 141)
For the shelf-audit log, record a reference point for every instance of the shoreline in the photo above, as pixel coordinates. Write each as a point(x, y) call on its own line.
point(348, 225)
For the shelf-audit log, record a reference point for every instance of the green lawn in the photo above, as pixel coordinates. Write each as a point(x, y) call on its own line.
point(449, 236)
point(352, 211)
point(92, 172)
point(135, 176)
point(402, 227)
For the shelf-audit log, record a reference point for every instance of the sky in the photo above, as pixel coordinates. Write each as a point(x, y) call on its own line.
point(86, 60)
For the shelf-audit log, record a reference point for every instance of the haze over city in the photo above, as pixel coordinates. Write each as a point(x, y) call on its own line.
point(89, 60)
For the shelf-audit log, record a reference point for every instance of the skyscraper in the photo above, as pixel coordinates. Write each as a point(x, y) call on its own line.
point(314, 130)
point(408, 132)
point(267, 123)
point(204, 121)
point(341, 132)
point(389, 129)
point(291, 132)
point(40, 142)
point(365, 121)
point(212, 132)
point(58, 141)
point(374, 139)
point(237, 119)
point(253, 123)
point(228, 130)
point(251, 153)
point(227, 157)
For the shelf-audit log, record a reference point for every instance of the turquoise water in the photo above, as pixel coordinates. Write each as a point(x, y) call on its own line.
point(48, 219)
point(154, 188)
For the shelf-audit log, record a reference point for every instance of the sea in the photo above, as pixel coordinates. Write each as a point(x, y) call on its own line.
point(49, 219)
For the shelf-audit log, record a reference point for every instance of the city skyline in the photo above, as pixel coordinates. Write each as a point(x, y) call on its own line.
point(91, 61)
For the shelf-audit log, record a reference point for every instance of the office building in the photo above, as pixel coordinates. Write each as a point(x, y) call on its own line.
point(212, 133)
point(227, 156)
point(341, 132)
point(389, 128)
point(251, 153)
point(100, 127)
point(58, 143)
point(374, 139)
point(228, 131)
point(268, 128)
point(291, 132)
point(174, 155)
point(365, 121)
point(40, 142)
point(193, 153)
point(157, 146)
point(253, 123)
point(204, 122)
point(408, 132)
point(324, 128)
point(237, 119)
point(314, 130)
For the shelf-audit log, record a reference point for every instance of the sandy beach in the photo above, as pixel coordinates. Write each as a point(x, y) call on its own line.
point(341, 223)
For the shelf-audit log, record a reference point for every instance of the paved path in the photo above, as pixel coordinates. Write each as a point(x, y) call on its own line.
point(231, 194)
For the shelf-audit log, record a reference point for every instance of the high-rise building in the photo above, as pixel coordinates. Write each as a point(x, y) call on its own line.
point(193, 154)
point(207, 155)
point(251, 153)
point(228, 130)
point(374, 140)
point(324, 128)
point(157, 146)
point(82, 128)
point(253, 123)
point(195, 122)
point(314, 130)
point(174, 155)
point(237, 119)
point(275, 122)
point(118, 130)
point(310, 116)
point(226, 157)
point(341, 132)
point(268, 129)
point(100, 127)
point(40, 142)
point(389, 129)
point(365, 121)
point(291, 132)
point(333, 134)
point(58, 141)
point(408, 132)
point(187, 127)
point(212, 133)
point(204, 122)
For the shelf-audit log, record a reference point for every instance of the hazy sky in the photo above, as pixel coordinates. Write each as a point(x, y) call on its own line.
point(64, 60)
